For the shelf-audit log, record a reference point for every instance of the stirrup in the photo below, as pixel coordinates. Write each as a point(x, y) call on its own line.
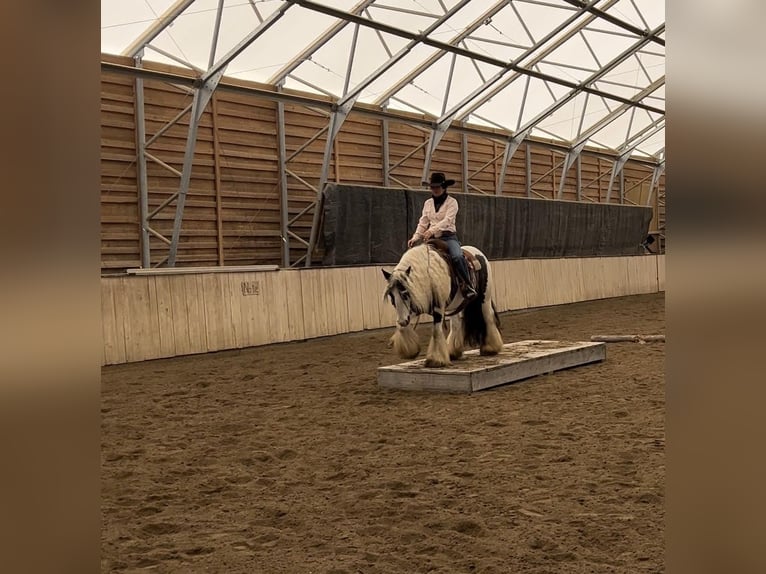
point(469, 292)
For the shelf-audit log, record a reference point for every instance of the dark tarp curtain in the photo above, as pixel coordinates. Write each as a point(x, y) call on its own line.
point(371, 225)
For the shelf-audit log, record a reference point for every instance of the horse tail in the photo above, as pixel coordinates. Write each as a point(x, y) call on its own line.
point(474, 325)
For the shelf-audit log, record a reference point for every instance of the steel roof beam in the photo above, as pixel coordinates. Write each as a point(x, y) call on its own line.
point(629, 141)
point(650, 36)
point(307, 52)
point(579, 144)
point(446, 119)
point(572, 155)
point(623, 158)
point(476, 103)
point(424, 39)
point(602, 72)
point(616, 113)
point(472, 27)
point(246, 41)
point(659, 169)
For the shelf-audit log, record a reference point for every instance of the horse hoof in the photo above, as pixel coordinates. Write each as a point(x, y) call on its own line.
point(487, 352)
point(433, 364)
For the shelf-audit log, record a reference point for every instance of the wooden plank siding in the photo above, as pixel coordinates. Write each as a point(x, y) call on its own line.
point(153, 316)
point(232, 214)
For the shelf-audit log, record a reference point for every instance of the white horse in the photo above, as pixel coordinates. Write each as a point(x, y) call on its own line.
point(423, 283)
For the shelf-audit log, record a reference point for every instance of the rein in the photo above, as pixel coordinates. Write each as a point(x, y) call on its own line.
point(463, 303)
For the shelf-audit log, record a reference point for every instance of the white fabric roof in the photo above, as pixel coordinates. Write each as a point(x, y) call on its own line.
point(568, 70)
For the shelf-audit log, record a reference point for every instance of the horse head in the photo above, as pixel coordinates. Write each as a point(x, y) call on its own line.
point(398, 293)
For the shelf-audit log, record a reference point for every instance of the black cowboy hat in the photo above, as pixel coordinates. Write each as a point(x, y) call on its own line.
point(438, 178)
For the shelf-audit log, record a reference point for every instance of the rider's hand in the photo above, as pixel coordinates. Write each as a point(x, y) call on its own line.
point(427, 235)
point(410, 243)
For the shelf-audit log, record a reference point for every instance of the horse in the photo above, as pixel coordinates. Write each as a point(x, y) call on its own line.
point(424, 283)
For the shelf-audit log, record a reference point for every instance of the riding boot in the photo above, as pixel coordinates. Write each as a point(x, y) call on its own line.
point(462, 270)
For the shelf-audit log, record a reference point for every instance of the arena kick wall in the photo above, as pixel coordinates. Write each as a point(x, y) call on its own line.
point(151, 316)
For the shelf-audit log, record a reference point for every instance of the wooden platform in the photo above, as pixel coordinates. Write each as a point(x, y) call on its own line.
point(515, 362)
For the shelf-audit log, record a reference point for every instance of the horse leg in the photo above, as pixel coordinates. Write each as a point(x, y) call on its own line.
point(405, 342)
point(455, 340)
point(493, 341)
point(437, 355)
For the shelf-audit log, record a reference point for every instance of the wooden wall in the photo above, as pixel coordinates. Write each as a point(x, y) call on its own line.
point(154, 316)
point(232, 214)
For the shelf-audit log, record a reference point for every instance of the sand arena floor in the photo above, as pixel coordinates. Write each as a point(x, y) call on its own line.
point(290, 459)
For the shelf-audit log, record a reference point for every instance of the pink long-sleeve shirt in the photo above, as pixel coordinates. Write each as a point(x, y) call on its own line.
point(437, 221)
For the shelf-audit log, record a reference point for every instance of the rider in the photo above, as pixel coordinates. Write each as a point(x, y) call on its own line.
point(438, 220)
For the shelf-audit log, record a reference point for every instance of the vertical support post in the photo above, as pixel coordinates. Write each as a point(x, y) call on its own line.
point(528, 169)
point(572, 156)
point(658, 169)
point(216, 31)
point(464, 160)
point(441, 128)
point(217, 170)
point(386, 154)
point(336, 154)
point(433, 141)
point(351, 54)
point(553, 176)
point(202, 96)
point(619, 163)
point(336, 121)
point(622, 186)
point(600, 179)
point(579, 178)
point(510, 149)
point(283, 203)
point(143, 183)
point(611, 182)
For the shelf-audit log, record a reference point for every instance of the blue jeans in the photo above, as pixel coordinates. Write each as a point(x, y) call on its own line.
point(455, 251)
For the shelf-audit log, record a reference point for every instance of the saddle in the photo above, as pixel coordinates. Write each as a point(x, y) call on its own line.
point(473, 264)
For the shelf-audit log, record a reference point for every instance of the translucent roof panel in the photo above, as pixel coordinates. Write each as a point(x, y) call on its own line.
point(546, 67)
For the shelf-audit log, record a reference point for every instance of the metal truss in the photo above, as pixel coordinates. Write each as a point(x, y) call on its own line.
point(202, 93)
point(583, 16)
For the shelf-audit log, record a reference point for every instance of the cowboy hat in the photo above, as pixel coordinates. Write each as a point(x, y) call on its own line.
point(438, 178)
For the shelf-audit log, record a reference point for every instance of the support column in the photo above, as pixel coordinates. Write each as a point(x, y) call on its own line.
point(619, 163)
point(143, 184)
point(217, 170)
point(434, 138)
point(528, 169)
point(386, 154)
point(336, 121)
point(622, 186)
point(202, 96)
point(510, 148)
point(464, 160)
point(572, 156)
point(441, 127)
point(283, 202)
point(658, 170)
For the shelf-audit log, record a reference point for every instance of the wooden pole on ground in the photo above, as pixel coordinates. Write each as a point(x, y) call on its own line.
point(628, 338)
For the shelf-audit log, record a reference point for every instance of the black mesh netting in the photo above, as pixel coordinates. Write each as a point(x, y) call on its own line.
point(371, 225)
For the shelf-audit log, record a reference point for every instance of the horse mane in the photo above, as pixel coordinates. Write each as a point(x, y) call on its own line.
point(425, 271)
